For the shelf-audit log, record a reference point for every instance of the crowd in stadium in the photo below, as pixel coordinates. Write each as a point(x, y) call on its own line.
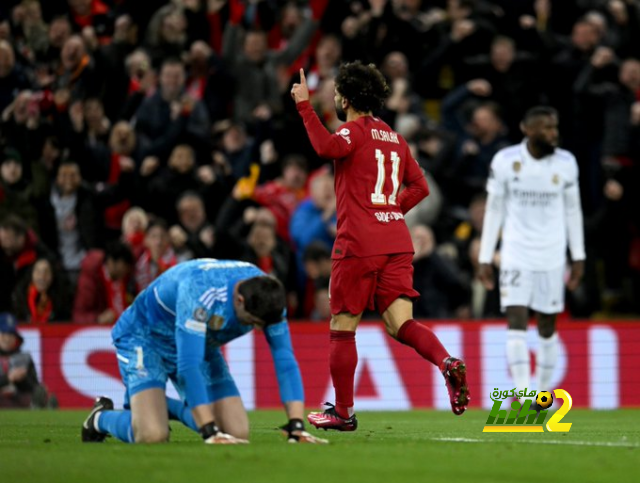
point(138, 134)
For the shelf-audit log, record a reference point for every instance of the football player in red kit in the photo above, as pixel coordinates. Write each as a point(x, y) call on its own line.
point(372, 253)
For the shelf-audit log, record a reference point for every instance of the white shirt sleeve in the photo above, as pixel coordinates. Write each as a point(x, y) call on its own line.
point(573, 218)
point(494, 213)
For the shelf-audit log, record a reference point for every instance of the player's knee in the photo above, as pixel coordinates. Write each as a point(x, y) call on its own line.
point(517, 318)
point(391, 330)
point(546, 330)
point(152, 434)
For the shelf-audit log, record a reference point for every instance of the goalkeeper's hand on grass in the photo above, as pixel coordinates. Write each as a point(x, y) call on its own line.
point(295, 433)
point(212, 435)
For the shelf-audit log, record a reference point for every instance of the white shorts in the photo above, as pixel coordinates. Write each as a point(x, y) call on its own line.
point(540, 291)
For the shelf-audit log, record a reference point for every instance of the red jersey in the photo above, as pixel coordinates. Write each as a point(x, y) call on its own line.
point(372, 163)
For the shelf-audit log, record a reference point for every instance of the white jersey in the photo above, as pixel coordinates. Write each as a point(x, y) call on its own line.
point(539, 198)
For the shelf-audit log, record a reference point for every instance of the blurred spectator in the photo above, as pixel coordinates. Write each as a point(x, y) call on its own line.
point(136, 82)
point(134, 226)
point(322, 306)
point(315, 218)
point(194, 236)
point(209, 82)
point(15, 192)
point(49, 57)
point(157, 257)
point(178, 177)
point(255, 67)
point(22, 127)
point(19, 385)
point(45, 298)
point(171, 116)
point(271, 255)
point(481, 134)
point(283, 194)
point(94, 15)
point(19, 250)
point(69, 218)
point(327, 58)
point(514, 78)
point(76, 77)
point(442, 291)
point(106, 286)
point(12, 77)
point(167, 34)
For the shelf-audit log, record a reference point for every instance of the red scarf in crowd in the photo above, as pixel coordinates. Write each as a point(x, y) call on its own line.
point(40, 308)
point(117, 297)
point(113, 215)
point(147, 269)
point(265, 264)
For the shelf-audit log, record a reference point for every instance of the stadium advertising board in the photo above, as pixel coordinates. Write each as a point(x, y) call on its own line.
point(78, 362)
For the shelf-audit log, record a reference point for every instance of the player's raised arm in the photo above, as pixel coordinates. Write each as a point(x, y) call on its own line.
point(327, 145)
point(289, 383)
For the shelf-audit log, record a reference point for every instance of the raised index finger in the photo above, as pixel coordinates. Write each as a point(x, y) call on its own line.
point(303, 79)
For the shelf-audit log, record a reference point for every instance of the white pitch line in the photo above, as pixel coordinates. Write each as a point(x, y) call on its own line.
point(612, 444)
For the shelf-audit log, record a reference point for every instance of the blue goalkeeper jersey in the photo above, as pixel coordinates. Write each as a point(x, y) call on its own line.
point(188, 310)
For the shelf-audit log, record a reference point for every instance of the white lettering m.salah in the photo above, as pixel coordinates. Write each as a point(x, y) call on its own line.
point(380, 135)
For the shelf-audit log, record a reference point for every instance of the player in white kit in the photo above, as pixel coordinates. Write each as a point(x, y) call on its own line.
point(534, 197)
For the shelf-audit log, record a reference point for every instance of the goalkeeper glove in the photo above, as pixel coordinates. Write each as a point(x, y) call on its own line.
point(295, 433)
point(211, 434)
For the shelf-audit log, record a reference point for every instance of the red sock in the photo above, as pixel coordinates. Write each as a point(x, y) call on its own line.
point(343, 359)
point(424, 341)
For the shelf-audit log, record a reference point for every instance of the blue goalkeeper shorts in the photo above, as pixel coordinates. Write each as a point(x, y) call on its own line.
point(143, 366)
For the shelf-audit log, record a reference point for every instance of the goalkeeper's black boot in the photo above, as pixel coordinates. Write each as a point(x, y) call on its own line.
point(89, 432)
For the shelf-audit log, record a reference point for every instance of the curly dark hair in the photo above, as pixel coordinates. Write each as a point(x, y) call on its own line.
point(362, 85)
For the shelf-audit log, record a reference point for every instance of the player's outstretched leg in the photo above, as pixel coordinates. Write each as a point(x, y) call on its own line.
point(426, 343)
point(399, 322)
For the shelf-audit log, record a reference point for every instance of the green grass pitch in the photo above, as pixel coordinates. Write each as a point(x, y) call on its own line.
point(415, 446)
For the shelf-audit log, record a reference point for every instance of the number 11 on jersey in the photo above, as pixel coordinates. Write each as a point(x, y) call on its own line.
point(378, 197)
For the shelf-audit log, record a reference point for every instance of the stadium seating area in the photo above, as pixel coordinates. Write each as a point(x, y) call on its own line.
point(137, 134)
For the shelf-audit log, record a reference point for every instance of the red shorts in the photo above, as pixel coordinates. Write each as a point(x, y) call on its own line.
point(370, 282)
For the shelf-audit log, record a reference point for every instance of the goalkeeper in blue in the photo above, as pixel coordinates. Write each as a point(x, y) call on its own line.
point(174, 331)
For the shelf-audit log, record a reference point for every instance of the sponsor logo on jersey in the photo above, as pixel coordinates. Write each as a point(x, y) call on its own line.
point(386, 217)
point(555, 179)
point(517, 166)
